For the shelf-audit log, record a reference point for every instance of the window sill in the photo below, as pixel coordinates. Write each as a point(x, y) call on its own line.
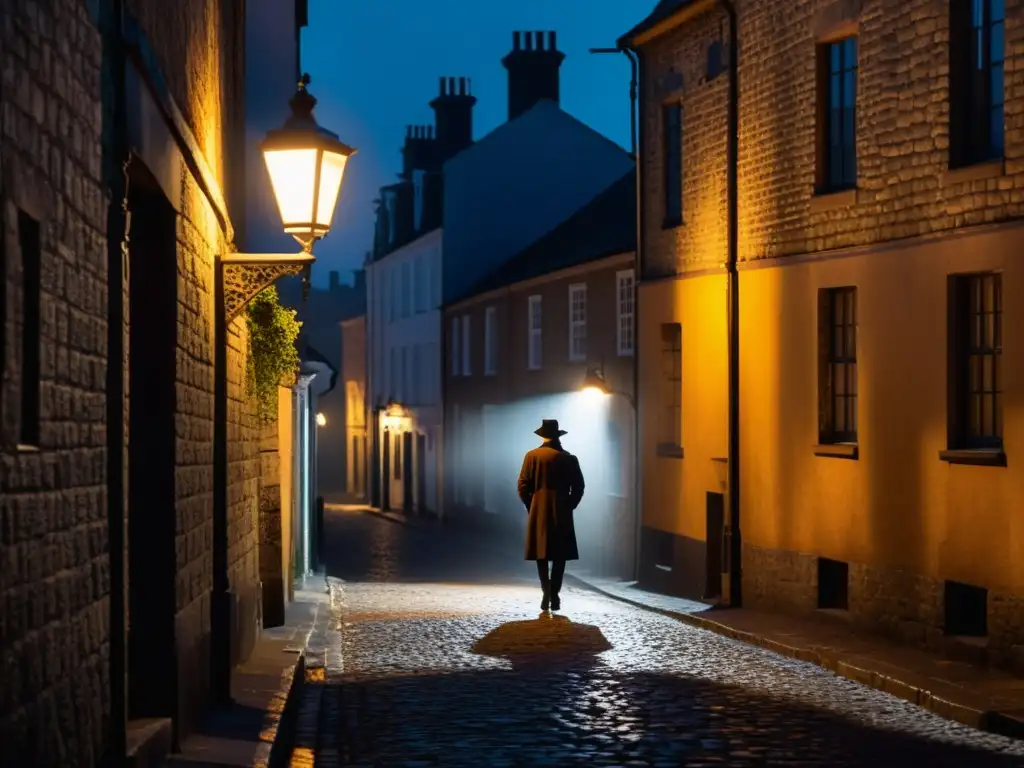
point(672, 222)
point(625, 353)
point(987, 169)
point(25, 448)
point(979, 457)
point(670, 451)
point(838, 450)
point(830, 201)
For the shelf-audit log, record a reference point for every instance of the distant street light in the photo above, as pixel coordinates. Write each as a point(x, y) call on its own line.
point(321, 420)
point(306, 163)
point(595, 385)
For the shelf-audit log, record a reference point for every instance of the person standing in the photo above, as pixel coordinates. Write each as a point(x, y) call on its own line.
point(551, 487)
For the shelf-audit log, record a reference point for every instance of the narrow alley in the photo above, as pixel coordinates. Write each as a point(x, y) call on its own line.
point(438, 657)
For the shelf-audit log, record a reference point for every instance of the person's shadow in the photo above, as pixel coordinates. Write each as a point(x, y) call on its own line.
point(549, 642)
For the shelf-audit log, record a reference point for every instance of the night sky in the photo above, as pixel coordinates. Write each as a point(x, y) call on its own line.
point(375, 66)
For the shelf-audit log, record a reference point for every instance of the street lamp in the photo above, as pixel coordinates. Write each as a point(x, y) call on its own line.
point(306, 163)
point(595, 385)
point(321, 420)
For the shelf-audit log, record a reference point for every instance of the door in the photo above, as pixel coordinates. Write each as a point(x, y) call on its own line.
point(386, 472)
point(421, 473)
point(713, 560)
point(152, 529)
point(407, 471)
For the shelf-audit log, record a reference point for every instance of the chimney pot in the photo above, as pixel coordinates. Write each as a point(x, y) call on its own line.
point(515, 41)
point(462, 86)
point(408, 131)
point(529, 41)
point(440, 89)
point(540, 40)
point(451, 86)
point(552, 45)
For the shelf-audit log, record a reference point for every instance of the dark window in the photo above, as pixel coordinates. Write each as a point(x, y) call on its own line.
point(837, 95)
point(672, 120)
point(977, 338)
point(31, 256)
point(672, 378)
point(716, 60)
point(397, 442)
point(976, 54)
point(837, 380)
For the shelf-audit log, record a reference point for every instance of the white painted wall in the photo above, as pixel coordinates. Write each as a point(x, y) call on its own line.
point(518, 183)
point(403, 341)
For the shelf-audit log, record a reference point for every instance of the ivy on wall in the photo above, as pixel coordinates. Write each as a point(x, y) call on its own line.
point(273, 358)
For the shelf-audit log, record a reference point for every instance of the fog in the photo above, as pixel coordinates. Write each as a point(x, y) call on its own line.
point(490, 455)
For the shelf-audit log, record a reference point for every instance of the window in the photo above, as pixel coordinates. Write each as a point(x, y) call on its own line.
point(396, 446)
point(672, 378)
point(578, 322)
point(467, 347)
point(976, 55)
point(977, 370)
point(533, 319)
point(837, 377)
point(837, 115)
point(419, 285)
point(456, 353)
point(31, 270)
point(490, 341)
point(417, 204)
point(413, 378)
point(406, 289)
point(672, 120)
point(626, 301)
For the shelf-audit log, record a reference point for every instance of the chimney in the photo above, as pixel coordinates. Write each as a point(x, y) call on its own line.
point(532, 65)
point(333, 277)
point(453, 116)
point(359, 278)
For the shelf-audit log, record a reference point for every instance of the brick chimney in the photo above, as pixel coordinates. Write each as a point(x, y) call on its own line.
point(532, 70)
point(334, 280)
point(453, 115)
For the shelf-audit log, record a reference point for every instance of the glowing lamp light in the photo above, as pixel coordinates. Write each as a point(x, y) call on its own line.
point(321, 420)
point(306, 164)
point(594, 385)
point(394, 416)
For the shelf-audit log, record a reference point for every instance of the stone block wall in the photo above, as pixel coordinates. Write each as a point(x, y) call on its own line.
point(272, 576)
point(54, 574)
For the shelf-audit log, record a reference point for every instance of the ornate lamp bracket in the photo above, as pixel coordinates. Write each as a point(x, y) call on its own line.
point(246, 274)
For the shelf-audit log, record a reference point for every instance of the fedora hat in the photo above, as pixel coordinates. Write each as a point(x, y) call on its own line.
point(549, 429)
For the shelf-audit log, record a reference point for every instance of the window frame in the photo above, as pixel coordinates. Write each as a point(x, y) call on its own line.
point(625, 342)
point(828, 179)
point(974, 108)
point(672, 155)
point(491, 341)
point(577, 355)
point(834, 362)
point(534, 335)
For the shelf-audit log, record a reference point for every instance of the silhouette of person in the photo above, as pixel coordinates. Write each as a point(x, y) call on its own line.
point(551, 487)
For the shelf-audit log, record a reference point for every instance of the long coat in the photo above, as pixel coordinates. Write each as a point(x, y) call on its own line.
point(551, 487)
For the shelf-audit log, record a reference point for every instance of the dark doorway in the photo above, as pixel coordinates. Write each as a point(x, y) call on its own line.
point(153, 326)
point(386, 473)
point(353, 479)
point(407, 471)
point(715, 514)
point(421, 474)
point(833, 584)
point(966, 610)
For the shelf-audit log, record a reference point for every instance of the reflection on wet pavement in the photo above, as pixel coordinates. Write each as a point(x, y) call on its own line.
point(445, 662)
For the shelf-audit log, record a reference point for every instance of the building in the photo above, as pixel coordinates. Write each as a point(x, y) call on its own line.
point(403, 320)
point(353, 371)
point(519, 348)
point(126, 424)
point(878, 208)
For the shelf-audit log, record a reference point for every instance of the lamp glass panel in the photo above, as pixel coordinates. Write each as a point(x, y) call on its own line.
point(332, 168)
point(292, 175)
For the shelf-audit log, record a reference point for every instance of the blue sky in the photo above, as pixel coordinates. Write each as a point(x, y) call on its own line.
point(375, 66)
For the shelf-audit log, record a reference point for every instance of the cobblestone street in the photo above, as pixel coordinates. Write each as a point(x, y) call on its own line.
point(444, 661)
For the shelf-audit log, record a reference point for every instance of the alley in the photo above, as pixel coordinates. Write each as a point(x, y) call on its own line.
point(444, 661)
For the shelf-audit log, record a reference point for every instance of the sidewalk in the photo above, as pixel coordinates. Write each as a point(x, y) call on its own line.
point(253, 732)
point(986, 699)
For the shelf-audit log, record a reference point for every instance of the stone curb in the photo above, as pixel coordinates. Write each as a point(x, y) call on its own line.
point(1001, 723)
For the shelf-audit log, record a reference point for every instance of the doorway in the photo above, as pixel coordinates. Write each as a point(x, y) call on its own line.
point(386, 473)
point(421, 474)
point(153, 327)
point(407, 471)
point(713, 561)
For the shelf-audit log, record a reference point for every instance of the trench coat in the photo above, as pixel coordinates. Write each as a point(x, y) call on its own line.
point(551, 487)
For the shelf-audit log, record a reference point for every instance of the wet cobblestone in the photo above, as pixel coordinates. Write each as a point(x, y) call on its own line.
point(440, 658)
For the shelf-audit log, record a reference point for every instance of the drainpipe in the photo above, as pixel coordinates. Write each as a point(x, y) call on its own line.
point(117, 234)
point(732, 277)
point(634, 87)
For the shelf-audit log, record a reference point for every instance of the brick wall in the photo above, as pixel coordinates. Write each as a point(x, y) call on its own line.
point(903, 189)
point(54, 577)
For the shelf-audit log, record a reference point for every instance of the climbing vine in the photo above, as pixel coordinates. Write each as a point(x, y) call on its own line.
point(273, 358)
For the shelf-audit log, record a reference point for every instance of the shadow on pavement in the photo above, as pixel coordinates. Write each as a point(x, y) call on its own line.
point(586, 714)
point(547, 640)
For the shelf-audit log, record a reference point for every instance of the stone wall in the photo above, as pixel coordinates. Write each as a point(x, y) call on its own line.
point(272, 576)
point(54, 576)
